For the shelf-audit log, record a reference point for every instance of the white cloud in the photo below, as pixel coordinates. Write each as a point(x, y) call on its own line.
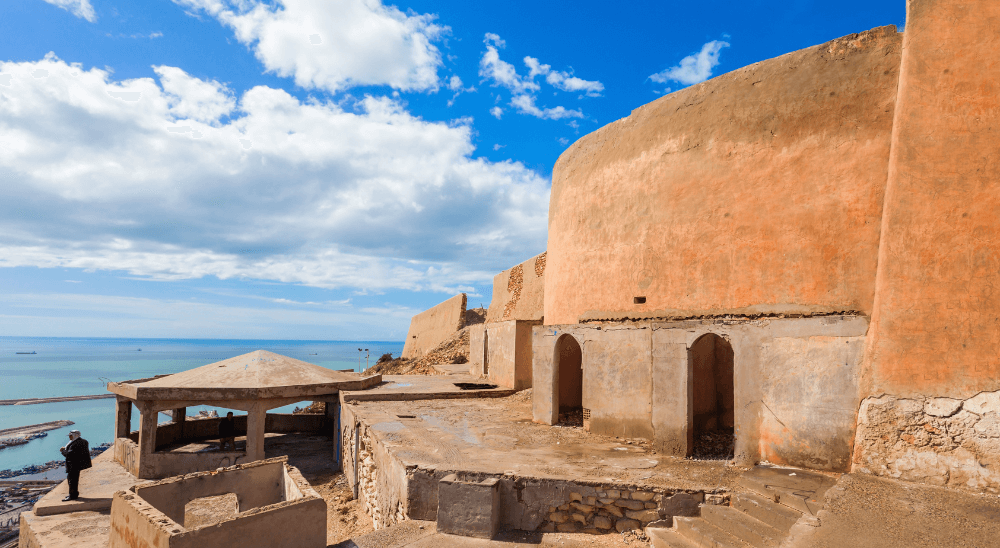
point(523, 88)
point(177, 178)
point(492, 67)
point(563, 80)
point(525, 104)
point(455, 84)
point(336, 44)
point(694, 68)
point(79, 8)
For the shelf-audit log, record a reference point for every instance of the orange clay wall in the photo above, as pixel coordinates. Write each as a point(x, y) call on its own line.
point(936, 324)
point(759, 191)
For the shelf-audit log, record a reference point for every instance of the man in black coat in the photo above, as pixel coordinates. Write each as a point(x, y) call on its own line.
point(227, 432)
point(77, 453)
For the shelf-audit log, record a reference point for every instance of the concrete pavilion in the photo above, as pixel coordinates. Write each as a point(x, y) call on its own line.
point(254, 383)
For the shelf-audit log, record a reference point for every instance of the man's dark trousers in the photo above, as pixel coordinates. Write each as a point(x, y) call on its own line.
point(73, 476)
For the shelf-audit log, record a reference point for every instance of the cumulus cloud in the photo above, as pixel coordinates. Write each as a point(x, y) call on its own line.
point(176, 177)
point(502, 73)
point(563, 80)
point(525, 104)
point(694, 68)
point(334, 44)
point(523, 88)
point(79, 8)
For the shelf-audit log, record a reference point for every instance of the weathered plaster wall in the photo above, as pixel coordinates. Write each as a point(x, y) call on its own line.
point(518, 292)
point(757, 191)
point(434, 325)
point(936, 323)
point(795, 384)
point(506, 348)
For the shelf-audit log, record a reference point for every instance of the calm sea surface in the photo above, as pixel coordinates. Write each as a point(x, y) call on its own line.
point(74, 367)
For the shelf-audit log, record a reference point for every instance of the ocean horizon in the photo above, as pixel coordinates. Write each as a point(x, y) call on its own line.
point(78, 366)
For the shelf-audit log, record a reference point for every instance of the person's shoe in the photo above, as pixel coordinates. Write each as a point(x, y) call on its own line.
point(67, 499)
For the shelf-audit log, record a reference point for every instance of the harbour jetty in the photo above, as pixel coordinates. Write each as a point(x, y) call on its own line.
point(33, 429)
point(30, 401)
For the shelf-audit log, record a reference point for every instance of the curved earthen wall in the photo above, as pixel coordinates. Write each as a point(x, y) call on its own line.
point(759, 191)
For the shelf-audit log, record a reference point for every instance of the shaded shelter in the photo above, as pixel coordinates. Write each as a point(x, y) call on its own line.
point(255, 383)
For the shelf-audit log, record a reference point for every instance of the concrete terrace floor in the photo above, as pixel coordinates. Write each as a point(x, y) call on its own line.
point(497, 436)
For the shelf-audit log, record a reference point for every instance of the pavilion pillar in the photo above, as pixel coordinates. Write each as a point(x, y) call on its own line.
point(256, 417)
point(123, 418)
point(179, 416)
point(147, 431)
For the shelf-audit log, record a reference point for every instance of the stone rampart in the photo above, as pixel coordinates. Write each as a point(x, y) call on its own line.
point(518, 293)
point(757, 192)
point(434, 326)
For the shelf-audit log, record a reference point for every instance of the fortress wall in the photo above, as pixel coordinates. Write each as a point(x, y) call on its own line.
point(518, 292)
point(932, 366)
point(759, 191)
point(936, 324)
point(433, 326)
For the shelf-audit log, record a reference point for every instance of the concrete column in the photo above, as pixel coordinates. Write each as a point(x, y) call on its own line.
point(255, 432)
point(147, 432)
point(123, 418)
point(179, 416)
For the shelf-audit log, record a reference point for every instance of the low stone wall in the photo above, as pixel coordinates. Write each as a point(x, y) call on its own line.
point(536, 504)
point(393, 491)
point(938, 441)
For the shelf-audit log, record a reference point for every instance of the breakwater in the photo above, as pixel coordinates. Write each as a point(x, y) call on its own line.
point(30, 401)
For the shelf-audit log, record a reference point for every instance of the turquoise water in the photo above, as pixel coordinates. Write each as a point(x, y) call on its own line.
point(78, 366)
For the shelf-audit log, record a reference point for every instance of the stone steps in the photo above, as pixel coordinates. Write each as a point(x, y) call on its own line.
point(764, 510)
point(704, 534)
point(746, 528)
point(761, 518)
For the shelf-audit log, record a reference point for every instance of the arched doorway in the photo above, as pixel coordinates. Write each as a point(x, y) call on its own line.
point(569, 367)
point(712, 421)
point(486, 352)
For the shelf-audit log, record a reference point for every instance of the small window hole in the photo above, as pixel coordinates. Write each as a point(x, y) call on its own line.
point(638, 300)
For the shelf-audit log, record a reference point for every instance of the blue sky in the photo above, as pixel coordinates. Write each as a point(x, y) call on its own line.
point(319, 169)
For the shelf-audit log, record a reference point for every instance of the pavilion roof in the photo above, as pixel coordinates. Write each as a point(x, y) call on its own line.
point(256, 375)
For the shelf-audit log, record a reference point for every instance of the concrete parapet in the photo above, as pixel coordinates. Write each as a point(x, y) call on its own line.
point(469, 509)
point(271, 495)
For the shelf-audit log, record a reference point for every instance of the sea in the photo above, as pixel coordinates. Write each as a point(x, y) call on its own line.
point(83, 366)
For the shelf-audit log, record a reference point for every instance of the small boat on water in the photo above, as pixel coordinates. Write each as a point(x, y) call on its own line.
point(29, 353)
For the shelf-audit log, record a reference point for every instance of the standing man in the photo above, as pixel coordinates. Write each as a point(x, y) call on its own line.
point(77, 453)
point(227, 432)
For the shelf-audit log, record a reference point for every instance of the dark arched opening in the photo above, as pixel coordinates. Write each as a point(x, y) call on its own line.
point(569, 364)
point(713, 399)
